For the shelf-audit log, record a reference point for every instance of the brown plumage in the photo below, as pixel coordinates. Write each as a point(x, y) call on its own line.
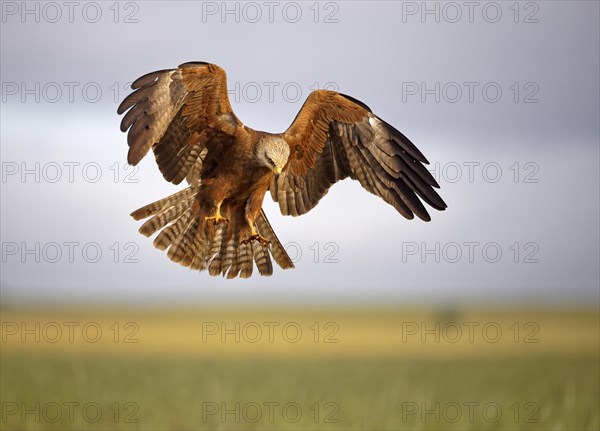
point(217, 223)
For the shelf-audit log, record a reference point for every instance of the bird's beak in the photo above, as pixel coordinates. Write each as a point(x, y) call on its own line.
point(277, 171)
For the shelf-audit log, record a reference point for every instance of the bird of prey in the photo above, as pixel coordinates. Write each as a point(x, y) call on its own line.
point(217, 222)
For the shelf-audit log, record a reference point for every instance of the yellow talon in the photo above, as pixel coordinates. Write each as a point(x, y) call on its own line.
point(217, 218)
point(254, 235)
point(264, 241)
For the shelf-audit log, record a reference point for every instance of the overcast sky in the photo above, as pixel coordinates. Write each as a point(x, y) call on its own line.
point(502, 99)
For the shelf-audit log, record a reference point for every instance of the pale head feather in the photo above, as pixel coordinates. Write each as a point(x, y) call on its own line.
point(273, 152)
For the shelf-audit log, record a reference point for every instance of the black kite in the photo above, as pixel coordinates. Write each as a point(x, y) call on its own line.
point(217, 223)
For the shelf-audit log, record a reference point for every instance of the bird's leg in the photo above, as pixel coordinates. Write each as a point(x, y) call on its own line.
point(217, 218)
point(252, 211)
point(254, 235)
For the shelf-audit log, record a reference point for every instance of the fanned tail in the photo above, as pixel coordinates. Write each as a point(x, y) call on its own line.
point(195, 243)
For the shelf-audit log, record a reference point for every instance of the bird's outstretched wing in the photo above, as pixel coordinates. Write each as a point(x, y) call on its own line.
point(179, 113)
point(335, 136)
point(185, 116)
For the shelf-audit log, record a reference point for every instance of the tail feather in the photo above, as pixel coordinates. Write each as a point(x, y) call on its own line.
point(192, 243)
point(158, 206)
point(229, 251)
point(178, 249)
point(245, 259)
point(214, 268)
point(278, 251)
point(166, 216)
point(234, 270)
point(166, 237)
point(262, 258)
point(195, 244)
point(219, 250)
point(196, 252)
point(201, 262)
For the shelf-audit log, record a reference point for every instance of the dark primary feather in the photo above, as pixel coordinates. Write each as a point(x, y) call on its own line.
point(335, 136)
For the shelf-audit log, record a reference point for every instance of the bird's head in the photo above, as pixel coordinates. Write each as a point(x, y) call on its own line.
point(273, 152)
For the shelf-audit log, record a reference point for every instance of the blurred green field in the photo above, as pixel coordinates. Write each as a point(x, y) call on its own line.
point(552, 384)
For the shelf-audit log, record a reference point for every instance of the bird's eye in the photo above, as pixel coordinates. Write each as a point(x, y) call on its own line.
point(271, 161)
